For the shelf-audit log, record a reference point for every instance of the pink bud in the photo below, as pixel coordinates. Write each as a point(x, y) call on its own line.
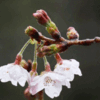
point(72, 33)
point(41, 19)
point(71, 28)
point(44, 13)
point(33, 33)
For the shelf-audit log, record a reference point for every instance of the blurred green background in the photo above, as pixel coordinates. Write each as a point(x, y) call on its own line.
point(84, 15)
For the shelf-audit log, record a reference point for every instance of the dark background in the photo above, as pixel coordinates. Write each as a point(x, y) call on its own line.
point(84, 15)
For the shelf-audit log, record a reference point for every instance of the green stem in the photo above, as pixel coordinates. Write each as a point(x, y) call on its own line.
point(24, 47)
point(35, 53)
point(45, 60)
point(46, 64)
point(34, 65)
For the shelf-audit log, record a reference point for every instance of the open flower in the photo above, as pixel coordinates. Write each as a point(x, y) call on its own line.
point(68, 68)
point(50, 81)
point(14, 73)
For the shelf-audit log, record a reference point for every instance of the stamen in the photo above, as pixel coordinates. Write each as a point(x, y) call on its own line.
point(49, 82)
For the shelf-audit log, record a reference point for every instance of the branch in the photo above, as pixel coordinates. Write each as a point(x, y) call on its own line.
point(84, 42)
point(63, 46)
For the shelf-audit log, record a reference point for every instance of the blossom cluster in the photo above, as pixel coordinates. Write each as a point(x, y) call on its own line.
point(51, 81)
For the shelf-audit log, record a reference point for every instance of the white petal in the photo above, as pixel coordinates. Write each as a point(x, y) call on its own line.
point(67, 83)
point(35, 89)
point(74, 62)
point(35, 80)
point(49, 93)
point(76, 71)
point(69, 75)
point(53, 91)
point(22, 81)
point(68, 69)
point(14, 82)
point(4, 80)
point(13, 73)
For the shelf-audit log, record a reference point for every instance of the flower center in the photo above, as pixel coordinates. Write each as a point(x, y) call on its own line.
point(49, 82)
point(67, 69)
point(63, 69)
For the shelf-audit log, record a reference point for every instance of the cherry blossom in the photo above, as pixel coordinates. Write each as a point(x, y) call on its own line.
point(68, 68)
point(13, 73)
point(50, 81)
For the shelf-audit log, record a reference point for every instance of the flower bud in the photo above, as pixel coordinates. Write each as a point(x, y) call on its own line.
point(44, 14)
point(55, 34)
point(23, 63)
point(52, 49)
point(47, 50)
point(51, 25)
point(33, 33)
point(53, 31)
point(29, 65)
point(41, 19)
point(26, 65)
point(72, 33)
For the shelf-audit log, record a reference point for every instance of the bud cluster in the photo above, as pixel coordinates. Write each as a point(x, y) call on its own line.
point(58, 43)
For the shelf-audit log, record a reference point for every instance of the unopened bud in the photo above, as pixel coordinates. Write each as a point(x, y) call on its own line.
point(53, 31)
point(29, 65)
point(55, 34)
point(44, 14)
point(33, 33)
point(40, 18)
point(72, 33)
point(47, 50)
point(53, 49)
point(26, 65)
point(23, 63)
point(51, 25)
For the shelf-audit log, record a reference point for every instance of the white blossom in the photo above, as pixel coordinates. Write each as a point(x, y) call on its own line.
point(13, 73)
point(50, 81)
point(68, 68)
